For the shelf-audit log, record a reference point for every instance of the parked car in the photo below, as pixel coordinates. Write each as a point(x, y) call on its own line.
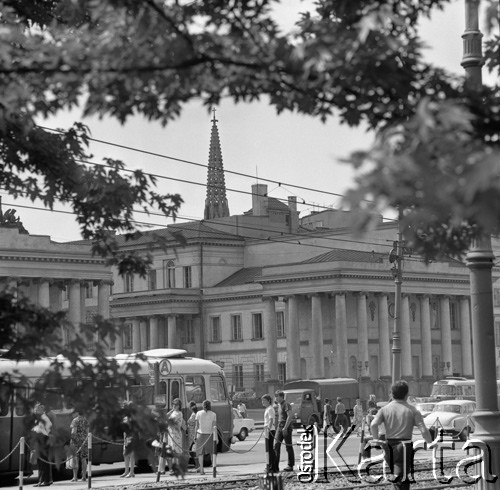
point(425, 408)
point(453, 416)
point(242, 426)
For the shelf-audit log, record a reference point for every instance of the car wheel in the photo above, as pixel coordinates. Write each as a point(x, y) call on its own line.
point(243, 434)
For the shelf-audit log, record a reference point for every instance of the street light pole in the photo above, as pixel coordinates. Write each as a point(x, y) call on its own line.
point(396, 258)
point(479, 260)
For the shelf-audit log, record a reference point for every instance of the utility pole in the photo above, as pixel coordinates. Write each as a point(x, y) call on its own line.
point(479, 260)
point(396, 258)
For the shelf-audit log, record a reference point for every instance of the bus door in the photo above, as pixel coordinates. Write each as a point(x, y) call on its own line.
point(220, 405)
point(168, 390)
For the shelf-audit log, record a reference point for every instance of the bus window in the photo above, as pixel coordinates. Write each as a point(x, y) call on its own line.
point(195, 389)
point(5, 393)
point(161, 395)
point(142, 394)
point(20, 406)
point(217, 389)
point(175, 390)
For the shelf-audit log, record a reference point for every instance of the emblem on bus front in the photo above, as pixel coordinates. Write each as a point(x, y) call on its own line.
point(165, 366)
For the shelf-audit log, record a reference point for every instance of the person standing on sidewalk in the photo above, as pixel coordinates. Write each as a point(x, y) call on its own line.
point(340, 416)
point(284, 431)
point(206, 421)
point(269, 434)
point(399, 418)
point(42, 429)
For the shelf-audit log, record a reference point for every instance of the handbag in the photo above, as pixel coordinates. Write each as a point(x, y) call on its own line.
point(33, 456)
point(69, 463)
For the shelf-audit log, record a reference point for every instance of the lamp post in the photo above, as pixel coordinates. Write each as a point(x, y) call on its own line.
point(396, 257)
point(479, 260)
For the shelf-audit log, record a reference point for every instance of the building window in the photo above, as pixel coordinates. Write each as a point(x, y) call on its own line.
point(496, 296)
point(282, 372)
point(188, 332)
point(215, 329)
point(129, 283)
point(453, 316)
point(187, 277)
point(280, 324)
point(127, 336)
point(89, 290)
point(258, 332)
point(238, 375)
point(236, 333)
point(152, 280)
point(259, 373)
point(169, 271)
point(434, 316)
point(372, 307)
point(497, 334)
point(66, 293)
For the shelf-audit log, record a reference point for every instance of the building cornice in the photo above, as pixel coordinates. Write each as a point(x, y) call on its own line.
point(30, 258)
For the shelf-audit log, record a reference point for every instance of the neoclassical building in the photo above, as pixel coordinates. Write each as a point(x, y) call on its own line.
point(272, 296)
point(59, 276)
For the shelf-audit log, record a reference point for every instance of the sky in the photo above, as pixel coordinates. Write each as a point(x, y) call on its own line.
point(290, 149)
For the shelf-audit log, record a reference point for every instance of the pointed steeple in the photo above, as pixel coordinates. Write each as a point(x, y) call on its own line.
point(216, 202)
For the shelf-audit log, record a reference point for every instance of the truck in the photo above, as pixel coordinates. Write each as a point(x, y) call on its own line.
point(307, 398)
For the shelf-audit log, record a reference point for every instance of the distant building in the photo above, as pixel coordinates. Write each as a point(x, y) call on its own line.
point(58, 276)
point(272, 297)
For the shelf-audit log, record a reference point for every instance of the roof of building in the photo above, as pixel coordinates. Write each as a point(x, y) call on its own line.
point(347, 255)
point(246, 275)
point(177, 232)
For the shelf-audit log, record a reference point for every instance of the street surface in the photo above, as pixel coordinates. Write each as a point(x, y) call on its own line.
point(245, 458)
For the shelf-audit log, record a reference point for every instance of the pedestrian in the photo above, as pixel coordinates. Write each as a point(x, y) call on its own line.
point(269, 434)
point(372, 402)
point(358, 416)
point(206, 436)
point(284, 431)
point(191, 428)
point(340, 416)
point(176, 426)
point(327, 415)
point(242, 408)
point(42, 430)
point(399, 418)
point(128, 446)
point(78, 444)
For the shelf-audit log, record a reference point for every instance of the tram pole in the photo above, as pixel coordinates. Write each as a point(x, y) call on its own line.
point(21, 463)
point(479, 260)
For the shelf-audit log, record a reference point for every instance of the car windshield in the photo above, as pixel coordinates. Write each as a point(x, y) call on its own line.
point(448, 408)
point(426, 406)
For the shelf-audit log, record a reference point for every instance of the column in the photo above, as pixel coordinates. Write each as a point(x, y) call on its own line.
point(465, 332)
point(74, 303)
point(103, 291)
point(341, 334)
point(43, 293)
point(384, 342)
point(362, 334)
point(83, 299)
point(171, 331)
point(154, 333)
point(270, 335)
point(292, 339)
point(446, 353)
point(406, 364)
point(119, 337)
point(316, 342)
point(425, 330)
point(197, 335)
point(143, 329)
point(136, 335)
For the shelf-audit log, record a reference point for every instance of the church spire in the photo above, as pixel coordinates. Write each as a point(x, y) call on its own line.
point(216, 202)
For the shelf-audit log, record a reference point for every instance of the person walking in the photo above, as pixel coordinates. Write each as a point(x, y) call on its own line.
point(41, 430)
point(358, 417)
point(399, 418)
point(340, 416)
point(284, 431)
point(176, 427)
point(206, 421)
point(327, 415)
point(191, 428)
point(128, 447)
point(78, 444)
point(269, 433)
point(242, 408)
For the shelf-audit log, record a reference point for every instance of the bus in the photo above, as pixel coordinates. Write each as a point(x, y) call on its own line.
point(456, 388)
point(166, 374)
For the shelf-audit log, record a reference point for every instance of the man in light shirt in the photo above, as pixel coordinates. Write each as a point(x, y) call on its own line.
point(399, 418)
point(269, 433)
point(205, 423)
